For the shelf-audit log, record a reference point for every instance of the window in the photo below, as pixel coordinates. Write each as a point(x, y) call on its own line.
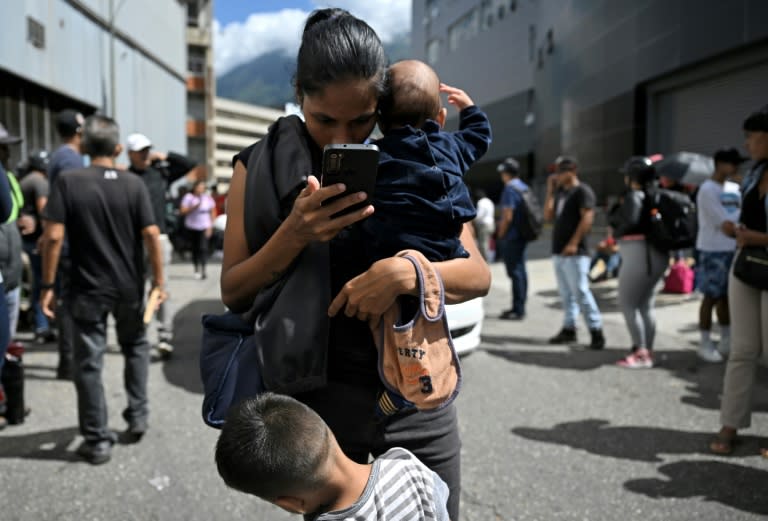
point(512, 6)
point(464, 29)
point(433, 51)
point(196, 61)
point(193, 13)
point(432, 8)
point(35, 33)
point(486, 14)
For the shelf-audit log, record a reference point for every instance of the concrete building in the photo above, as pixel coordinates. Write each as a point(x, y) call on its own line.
point(238, 125)
point(599, 79)
point(201, 83)
point(125, 59)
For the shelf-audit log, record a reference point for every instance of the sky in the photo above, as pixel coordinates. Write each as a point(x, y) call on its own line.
point(245, 29)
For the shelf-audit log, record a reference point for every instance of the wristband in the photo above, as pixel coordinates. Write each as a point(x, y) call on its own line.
point(44, 286)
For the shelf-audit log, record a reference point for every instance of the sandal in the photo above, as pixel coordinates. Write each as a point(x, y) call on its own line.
point(723, 444)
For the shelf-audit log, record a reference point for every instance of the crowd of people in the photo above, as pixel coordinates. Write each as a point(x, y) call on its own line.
point(324, 452)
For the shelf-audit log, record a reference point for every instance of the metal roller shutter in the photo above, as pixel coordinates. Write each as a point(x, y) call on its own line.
point(707, 114)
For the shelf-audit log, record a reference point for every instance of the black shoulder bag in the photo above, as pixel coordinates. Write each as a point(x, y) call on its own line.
point(280, 343)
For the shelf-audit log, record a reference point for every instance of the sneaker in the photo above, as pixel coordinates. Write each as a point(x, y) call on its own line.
point(198, 276)
point(708, 353)
point(164, 349)
point(95, 452)
point(565, 336)
point(598, 340)
point(64, 371)
point(44, 337)
point(640, 359)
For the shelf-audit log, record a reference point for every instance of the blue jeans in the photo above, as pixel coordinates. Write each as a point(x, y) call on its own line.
point(36, 262)
point(90, 321)
point(572, 274)
point(513, 253)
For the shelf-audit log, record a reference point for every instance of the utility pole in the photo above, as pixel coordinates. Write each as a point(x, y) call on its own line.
point(112, 81)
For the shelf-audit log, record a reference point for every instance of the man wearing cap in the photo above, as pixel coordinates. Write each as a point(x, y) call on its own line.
point(69, 126)
point(571, 205)
point(718, 204)
point(511, 245)
point(158, 170)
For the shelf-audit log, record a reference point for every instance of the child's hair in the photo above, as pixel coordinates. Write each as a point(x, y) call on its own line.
point(273, 445)
point(412, 96)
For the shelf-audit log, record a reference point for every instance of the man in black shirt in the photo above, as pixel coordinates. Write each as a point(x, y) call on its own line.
point(571, 205)
point(110, 215)
point(158, 170)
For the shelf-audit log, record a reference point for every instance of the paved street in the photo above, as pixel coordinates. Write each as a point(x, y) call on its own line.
point(549, 432)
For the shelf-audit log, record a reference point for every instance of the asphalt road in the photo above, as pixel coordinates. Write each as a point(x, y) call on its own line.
point(548, 432)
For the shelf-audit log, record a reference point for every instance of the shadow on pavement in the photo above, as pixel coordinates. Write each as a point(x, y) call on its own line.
point(577, 360)
point(736, 486)
point(47, 445)
point(704, 381)
point(183, 369)
point(632, 443)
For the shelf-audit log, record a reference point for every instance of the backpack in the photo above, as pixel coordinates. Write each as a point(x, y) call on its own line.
point(530, 218)
point(673, 221)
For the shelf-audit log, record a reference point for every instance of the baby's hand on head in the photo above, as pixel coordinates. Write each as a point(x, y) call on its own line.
point(456, 97)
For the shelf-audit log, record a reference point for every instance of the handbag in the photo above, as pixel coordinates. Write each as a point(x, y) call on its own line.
point(751, 267)
point(281, 343)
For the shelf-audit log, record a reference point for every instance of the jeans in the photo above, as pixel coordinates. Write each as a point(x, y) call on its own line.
point(572, 274)
point(513, 253)
point(36, 263)
point(90, 321)
point(63, 311)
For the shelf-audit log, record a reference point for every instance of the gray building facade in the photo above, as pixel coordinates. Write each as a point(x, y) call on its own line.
point(126, 59)
point(599, 79)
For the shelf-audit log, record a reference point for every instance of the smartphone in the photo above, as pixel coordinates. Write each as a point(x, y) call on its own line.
point(354, 165)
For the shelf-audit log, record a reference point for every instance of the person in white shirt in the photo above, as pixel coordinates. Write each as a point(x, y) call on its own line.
point(485, 222)
point(718, 205)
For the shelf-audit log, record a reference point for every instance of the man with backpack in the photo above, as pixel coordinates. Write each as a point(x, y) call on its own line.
point(570, 204)
point(520, 223)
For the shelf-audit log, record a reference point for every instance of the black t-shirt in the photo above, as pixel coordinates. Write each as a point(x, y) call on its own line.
point(157, 185)
point(352, 355)
point(568, 206)
point(104, 212)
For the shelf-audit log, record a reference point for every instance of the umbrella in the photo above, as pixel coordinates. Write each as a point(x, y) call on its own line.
point(687, 168)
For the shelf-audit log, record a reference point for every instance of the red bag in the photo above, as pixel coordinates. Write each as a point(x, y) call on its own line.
point(679, 279)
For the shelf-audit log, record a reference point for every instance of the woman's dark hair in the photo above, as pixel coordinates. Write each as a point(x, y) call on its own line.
point(757, 121)
point(101, 135)
point(337, 46)
point(639, 169)
point(272, 445)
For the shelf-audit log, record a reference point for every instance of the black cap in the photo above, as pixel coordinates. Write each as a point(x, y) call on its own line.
point(729, 155)
point(566, 163)
point(69, 122)
point(38, 161)
point(639, 169)
point(509, 165)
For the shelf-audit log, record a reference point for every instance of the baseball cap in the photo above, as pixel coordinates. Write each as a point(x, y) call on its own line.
point(136, 142)
point(565, 163)
point(69, 122)
point(729, 155)
point(6, 138)
point(508, 165)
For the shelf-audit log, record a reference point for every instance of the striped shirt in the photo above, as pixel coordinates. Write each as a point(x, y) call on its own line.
point(400, 488)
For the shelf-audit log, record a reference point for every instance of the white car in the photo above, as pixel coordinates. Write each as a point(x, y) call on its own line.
point(465, 322)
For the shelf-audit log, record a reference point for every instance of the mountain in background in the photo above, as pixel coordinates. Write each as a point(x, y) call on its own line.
point(266, 80)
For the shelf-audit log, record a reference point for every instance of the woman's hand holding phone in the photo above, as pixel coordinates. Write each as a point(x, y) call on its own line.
point(310, 220)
